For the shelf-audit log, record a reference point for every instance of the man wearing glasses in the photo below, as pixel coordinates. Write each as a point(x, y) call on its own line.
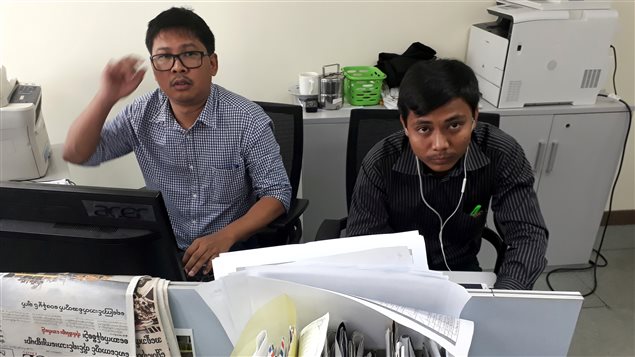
point(210, 152)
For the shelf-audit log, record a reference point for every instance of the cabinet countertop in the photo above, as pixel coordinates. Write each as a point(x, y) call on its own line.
point(602, 105)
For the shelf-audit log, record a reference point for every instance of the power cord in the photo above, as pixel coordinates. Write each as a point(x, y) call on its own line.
point(614, 68)
point(593, 264)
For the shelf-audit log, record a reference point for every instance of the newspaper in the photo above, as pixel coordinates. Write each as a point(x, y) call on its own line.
point(166, 318)
point(151, 339)
point(84, 314)
point(66, 315)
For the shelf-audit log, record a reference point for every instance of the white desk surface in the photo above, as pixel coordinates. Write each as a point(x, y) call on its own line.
point(472, 277)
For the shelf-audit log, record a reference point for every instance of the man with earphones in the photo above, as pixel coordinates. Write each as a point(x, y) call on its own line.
point(440, 173)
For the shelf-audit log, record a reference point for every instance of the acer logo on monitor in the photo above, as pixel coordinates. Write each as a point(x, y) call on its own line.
point(119, 210)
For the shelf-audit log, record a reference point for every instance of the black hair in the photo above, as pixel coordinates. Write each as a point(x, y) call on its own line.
point(184, 19)
point(428, 85)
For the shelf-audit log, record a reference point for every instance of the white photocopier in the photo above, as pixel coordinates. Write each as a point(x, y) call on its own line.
point(541, 52)
point(24, 143)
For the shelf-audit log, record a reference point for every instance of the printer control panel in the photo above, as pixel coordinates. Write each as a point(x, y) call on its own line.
point(26, 94)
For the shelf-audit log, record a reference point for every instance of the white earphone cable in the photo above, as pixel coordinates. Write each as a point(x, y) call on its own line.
point(441, 222)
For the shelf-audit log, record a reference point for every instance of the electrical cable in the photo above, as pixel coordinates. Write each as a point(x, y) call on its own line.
point(614, 68)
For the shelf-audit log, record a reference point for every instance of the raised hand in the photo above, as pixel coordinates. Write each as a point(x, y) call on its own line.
point(121, 77)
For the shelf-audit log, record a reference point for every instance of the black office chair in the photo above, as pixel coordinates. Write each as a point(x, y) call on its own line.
point(289, 132)
point(366, 128)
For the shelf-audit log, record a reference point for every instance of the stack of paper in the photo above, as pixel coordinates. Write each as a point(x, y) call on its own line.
point(410, 242)
point(366, 287)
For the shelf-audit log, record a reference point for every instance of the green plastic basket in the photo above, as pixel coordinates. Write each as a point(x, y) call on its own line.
point(362, 85)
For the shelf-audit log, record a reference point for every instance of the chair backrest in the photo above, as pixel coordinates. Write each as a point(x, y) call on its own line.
point(289, 132)
point(490, 118)
point(367, 127)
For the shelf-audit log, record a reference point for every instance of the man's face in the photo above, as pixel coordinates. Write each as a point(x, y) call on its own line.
point(441, 137)
point(182, 85)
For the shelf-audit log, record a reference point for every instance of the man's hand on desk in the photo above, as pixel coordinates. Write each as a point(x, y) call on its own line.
point(204, 249)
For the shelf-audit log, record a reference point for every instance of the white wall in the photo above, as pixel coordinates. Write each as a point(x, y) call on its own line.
point(624, 42)
point(261, 47)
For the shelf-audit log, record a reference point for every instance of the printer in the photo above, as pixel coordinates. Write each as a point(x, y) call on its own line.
point(541, 52)
point(24, 143)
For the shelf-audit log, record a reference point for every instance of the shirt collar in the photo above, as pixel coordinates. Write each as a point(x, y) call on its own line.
point(207, 116)
point(406, 163)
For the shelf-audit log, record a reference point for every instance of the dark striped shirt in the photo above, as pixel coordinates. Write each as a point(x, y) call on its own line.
point(387, 199)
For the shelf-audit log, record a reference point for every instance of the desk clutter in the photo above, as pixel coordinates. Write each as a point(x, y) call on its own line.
point(338, 298)
point(358, 85)
point(326, 298)
point(315, 339)
point(331, 298)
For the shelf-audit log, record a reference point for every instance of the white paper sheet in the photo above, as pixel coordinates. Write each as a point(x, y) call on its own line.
point(313, 337)
point(231, 262)
point(430, 291)
point(387, 257)
point(453, 334)
point(215, 296)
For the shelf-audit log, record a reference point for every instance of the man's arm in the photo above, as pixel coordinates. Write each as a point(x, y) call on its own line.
point(203, 249)
point(118, 80)
point(269, 183)
point(517, 214)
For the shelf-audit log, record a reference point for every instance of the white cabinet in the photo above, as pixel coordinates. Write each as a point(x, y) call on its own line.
point(532, 133)
point(573, 150)
point(574, 178)
point(574, 157)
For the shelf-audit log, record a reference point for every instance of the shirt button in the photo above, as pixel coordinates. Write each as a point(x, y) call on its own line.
point(191, 167)
point(193, 221)
point(194, 195)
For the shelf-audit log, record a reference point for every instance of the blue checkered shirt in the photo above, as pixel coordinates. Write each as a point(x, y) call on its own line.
point(210, 174)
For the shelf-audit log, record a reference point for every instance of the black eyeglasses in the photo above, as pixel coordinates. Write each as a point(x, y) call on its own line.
point(190, 60)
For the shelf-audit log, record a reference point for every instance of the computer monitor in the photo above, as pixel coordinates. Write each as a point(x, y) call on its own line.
point(65, 228)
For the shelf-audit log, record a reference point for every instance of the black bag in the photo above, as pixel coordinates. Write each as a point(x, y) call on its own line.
point(395, 66)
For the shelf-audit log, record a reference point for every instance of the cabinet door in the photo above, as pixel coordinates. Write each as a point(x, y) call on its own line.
point(323, 174)
point(578, 170)
point(532, 133)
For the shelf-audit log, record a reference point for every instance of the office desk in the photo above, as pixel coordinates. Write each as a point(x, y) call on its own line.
point(507, 323)
point(574, 152)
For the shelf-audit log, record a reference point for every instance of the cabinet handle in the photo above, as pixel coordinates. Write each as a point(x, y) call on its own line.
point(538, 161)
point(553, 150)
